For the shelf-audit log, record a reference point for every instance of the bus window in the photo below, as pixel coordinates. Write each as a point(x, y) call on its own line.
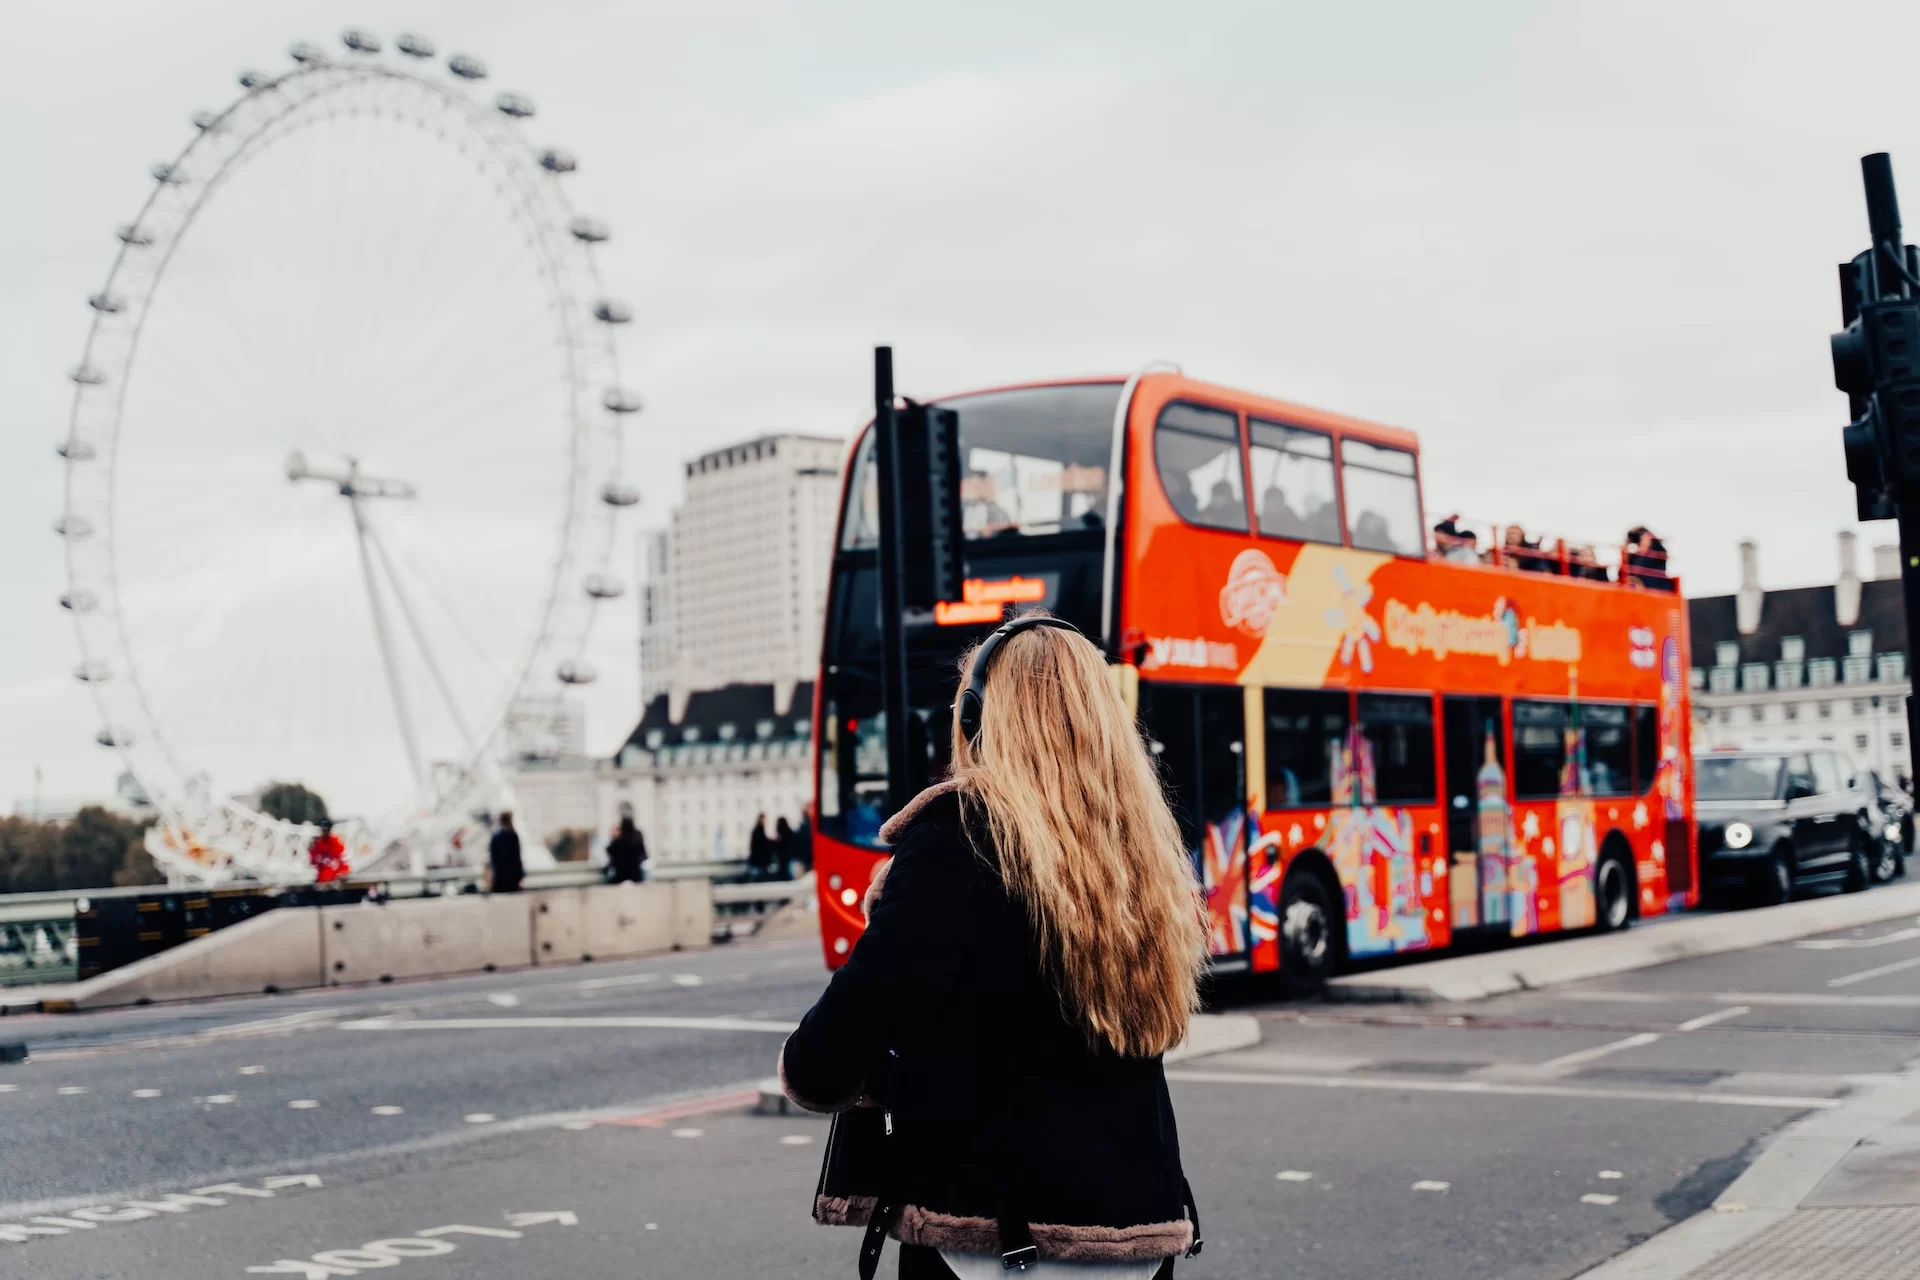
point(1646, 748)
point(1608, 748)
point(1197, 452)
point(1399, 727)
point(1383, 499)
point(1034, 461)
point(1293, 486)
point(1305, 732)
point(1540, 733)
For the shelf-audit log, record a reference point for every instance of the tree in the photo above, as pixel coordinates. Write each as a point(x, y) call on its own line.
point(93, 851)
point(291, 802)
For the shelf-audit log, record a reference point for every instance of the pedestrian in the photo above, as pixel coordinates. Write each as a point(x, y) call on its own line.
point(992, 1047)
point(503, 857)
point(803, 846)
point(627, 853)
point(759, 850)
point(328, 855)
point(785, 855)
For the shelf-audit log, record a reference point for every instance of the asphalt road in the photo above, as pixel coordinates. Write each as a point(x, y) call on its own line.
point(592, 1121)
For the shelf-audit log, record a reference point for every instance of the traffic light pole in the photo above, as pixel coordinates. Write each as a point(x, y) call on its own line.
point(892, 601)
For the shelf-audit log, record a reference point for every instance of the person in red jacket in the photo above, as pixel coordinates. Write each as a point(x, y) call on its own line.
point(327, 854)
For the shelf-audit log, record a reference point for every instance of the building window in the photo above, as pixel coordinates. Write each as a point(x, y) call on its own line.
point(1786, 675)
point(1726, 654)
point(1702, 715)
point(726, 732)
point(1896, 739)
point(764, 729)
point(1792, 710)
point(1860, 644)
point(690, 734)
point(1893, 667)
point(1826, 710)
point(1859, 742)
point(802, 728)
point(1859, 706)
point(1856, 669)
point(1793, 649)
point(655, 737)
point(1757, 713)
point(1820, 672)
point(1753, 677)
point(1698, 678)
point(1720, 680)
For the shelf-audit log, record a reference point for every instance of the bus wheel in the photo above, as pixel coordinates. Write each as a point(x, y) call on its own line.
point(1613, 887)
point(1309, 949)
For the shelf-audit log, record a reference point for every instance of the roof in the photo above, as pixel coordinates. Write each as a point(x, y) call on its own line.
point(1807, 612)
point(731, 713)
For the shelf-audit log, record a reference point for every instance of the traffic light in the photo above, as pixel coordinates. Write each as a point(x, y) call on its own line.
point(933, 541)
point(1876, 358)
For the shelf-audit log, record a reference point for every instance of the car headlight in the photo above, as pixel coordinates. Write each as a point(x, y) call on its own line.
point(1738, 835)
point(1893, 831)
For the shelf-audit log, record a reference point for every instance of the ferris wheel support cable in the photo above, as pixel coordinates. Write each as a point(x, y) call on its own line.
point(384, 635)
point(372, 536)
point(430, 577)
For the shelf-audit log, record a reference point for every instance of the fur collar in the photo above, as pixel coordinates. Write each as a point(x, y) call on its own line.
point(895, 826)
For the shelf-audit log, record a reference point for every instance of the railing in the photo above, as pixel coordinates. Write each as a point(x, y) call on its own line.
point(1509, 546)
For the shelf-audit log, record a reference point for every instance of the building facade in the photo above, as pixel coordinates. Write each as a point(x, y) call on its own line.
point(747, 556)
point(656, 614)
point(1806, 665)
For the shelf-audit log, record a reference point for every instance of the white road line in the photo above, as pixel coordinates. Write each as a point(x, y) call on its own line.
point(1505, 1088)
point(1885, 969)
point(1568, 1060)
point(252, 1071)
point(1851, 944)
point(1708, 1019)
point(624, 1023)
point(795, 1139)
point(146, 1093)
point(388, 1111)
point(628, 980)
point(504, 1000)
point(688, 1133)
point(1293, 1175)
point(479, 1117)
point(71, 1090)
point(9, 1088)
point(687, 980)
point(1743, 997)
point(1611, 1174)
point(303, 1104)
point(1594, 1197)
point(218, 1099)
point(1428, 1184)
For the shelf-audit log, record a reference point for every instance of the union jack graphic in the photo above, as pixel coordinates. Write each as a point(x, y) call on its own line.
point(1224, 881)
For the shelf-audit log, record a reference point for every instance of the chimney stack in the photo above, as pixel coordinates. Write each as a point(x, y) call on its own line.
point(1886, 561)
point(1746, 602)
point(1846, 590)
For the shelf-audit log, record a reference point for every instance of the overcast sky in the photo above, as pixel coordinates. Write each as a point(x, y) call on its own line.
point(1585, 250)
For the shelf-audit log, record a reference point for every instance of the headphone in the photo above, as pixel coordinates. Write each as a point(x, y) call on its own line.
point(973, 700)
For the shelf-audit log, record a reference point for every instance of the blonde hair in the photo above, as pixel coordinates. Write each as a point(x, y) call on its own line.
point(1085, 840)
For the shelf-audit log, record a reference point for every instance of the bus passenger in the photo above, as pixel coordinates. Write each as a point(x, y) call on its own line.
point(1646, 560)
point(1584, 562)
point(1277, 516)
point(1454, 544)
point(1223, 507)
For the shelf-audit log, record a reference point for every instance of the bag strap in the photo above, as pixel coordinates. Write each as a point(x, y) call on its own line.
point(1193, 1216)
point(886, 1206)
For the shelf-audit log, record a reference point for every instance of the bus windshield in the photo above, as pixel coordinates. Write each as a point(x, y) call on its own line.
point(1034, 461)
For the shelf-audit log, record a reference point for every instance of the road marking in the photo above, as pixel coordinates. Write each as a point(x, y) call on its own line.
point(1594, 1197)
point(504, 1000)
point(1851, 944)
point(688, 1133)
point(9, 1088)
point(632, 1023)
point(564, 1217)
point(479, 1117)
point(1505, 1088)
point(388, 1111)
point(1428, 1184)
point(1885, 969)
point(626, 980)
point(94, 1217)
point(303, 1104)
point(253, 1070)
point(1817, 999)
point(577, 1126)
point(218, 1099)
point(1611, 1173)
point(146, 1093)
point(1567, 1061)
point(430, 1243)
point(1708, 1019)
point(687, 979)
point(658, 1117)
point(72, 1090)
point(795, 1139)
point(1293, 1175)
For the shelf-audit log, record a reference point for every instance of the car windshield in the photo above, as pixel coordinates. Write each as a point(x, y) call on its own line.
point(1738, 777)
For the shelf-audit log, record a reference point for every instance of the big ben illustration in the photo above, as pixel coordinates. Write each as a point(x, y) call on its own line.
point(1491, 783)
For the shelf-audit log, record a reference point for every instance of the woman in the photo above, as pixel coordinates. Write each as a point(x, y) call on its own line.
point(627, 853)
point(1031, 952)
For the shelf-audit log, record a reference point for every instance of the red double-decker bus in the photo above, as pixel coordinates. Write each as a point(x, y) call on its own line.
point(1373, 745)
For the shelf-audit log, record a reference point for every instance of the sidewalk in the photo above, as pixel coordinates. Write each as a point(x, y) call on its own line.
point(1653, 942)
point(1837, 1194)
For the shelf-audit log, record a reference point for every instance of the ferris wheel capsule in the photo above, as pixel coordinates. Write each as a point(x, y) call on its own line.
point(612, 311)
point(306, 54)
point(517, 105)
point(577, 671)
point(79, 601)
point(113, 738)
point(603, 586)
point(554, 160)
point(620, 495)
point(73, 528)
point(88, 376)
point(467, 67)
point(620, 400)
point(251, 79)
point(134, 234)
point(360, 41)
point(75, 450)
point(589, 230)
point(168, 175)
point(204, 120)
point(107, 303)
point(93, 671)
point(413, 44)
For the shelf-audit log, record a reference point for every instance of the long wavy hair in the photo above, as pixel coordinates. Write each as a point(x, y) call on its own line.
point(1085, 840)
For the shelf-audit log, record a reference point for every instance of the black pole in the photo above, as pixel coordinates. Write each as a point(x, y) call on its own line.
point(893, 636)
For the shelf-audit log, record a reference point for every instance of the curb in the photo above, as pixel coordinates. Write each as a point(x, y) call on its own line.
point(1576, 959)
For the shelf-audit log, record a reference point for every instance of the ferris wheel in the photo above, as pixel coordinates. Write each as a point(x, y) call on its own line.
point(343, 464)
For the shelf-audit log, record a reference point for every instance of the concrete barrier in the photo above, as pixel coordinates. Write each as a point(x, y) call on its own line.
point(692, 914)
point(277, 951)
point(559, 925)
point(428, 937)
point(629, 919)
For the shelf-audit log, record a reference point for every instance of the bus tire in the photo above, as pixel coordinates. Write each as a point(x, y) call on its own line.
point(1310, 940)
point(1614, 892)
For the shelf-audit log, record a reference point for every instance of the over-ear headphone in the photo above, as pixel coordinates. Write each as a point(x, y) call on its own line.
point(973, 699)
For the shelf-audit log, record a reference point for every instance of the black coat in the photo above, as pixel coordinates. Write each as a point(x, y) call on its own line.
point(1003, 1115)
point(503, 853)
